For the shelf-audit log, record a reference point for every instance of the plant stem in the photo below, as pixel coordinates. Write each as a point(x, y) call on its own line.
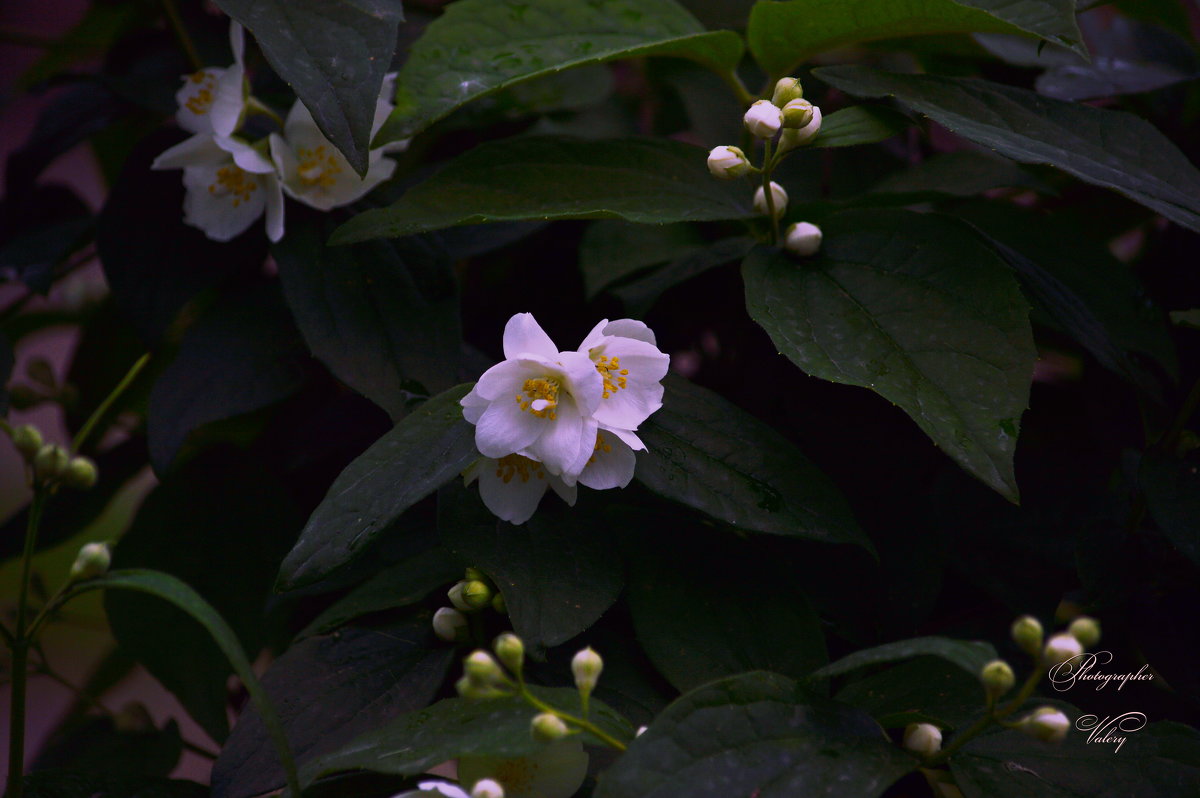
point(767, 168)
point(586, 725)
point(181, 33)
point(20, 649)
point(992, 715)
point(90, 425)
point(739, 89)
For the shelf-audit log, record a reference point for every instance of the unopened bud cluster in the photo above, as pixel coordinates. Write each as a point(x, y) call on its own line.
point(471, 594)
point(51, 465)
point(790, 121)
point(1050, 723)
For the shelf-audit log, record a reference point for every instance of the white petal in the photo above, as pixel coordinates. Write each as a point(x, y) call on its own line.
point(523, 335)
point(283, 157)
point(473, 406)
point(197, 150)
point(471, 472)
point(320, 175)
point(505, 428)
point(245, 155)
point(237, 42)
point(581, 380)
point(222, 200)
point(594, 337)
point(506, 377)
point(443, 788)
point(386, 102)
point(565, 492)
point(229, 101)
point(631, 328)
point(195, 99)
point(611, 465)
point(563, 440)
point(642, 366)
point(630, 439)
point(274, 202)
point(512, 488)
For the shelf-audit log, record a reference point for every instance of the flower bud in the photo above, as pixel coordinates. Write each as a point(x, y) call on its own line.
point(779, 196)
point(455, 594)
point(474, 574)
point(476, 594)
point(794, 137)
point(997, 677)
point(548, 727)
point(1061, 648)
point(586, 665)
point(727, 162)
point(27, 439)
point(803, 239)
point(510, 650)
point(499, 605)
point(786, 90)
point(923, 738)
point(481, 668)
point(467, 688)
point(1086, 630)
point(640, 731)
point(797, 114)
point(1027, 634)
point(763, 119)
point(92, 560)
point(1047, 723)
point(450, 625)
point(487, 788)
point(50, 462)
point(80, 473)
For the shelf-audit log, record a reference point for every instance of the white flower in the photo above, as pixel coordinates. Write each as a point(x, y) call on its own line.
point(556, 771)
point(795, 137)
point(626, 356)
point(486, 788)
point(213, 100)
point(513, 485)
point(923, 738)
point(1061, 648)
point(1047, 723)
point(727, 162)
point(229, 185)
point(778, 195)
point(315, 172)
point(802, 238)
point(763, 119)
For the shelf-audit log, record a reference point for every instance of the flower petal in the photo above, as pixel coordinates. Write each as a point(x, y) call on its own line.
point(229, 101)
point(523, 335)
point(197, 150)
point(581, 380)
point(195, 99)
point(244, 155)
point(565, 440)
point(222, 200)
point(504, 428)
point(473, 406)
point(611, 465)
point(512, 488)
point(274, 202)
point(595, 337)
point(506, 377)
point(631, 328)
point(642, 367)
point(630, 439)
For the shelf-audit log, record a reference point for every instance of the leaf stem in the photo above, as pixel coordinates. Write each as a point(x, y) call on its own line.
point(20, 650)
point(90, 425)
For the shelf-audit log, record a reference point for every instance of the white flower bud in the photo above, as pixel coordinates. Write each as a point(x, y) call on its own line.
point(1027, 634)
point(482, 669)
point(450, 625)
point(1047, 723)
point(797, 113)
point(511, 651)
point(727, 162)
point(586, 666)
point(92, 560)
point(802, 238)
point(548, 727)
point(1086, 630)
point(779, 196)
point(786, 90)
point(923, 738)
point(1061, 648)
point(455, 594)
point(487, 788)
point(798, 137)
point(763, 119)
point(641, 730)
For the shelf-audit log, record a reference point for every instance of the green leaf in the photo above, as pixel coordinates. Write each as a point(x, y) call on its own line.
point(653, 181)
point(612, 250)
point(924, 689)
point(455, 727)
point(957, 174)
point(478, 47)
point(1108, 148)
point(1172, 489)
point(783, 35)
point(97, 745)
point(757, 735)
point(383, 316)
point(970, 656)
point(640, 294)
point(701, 617)
point(329, 690)
point(334, 54)
point(424, 451)
point(59, 784)
point(860, 124)
point(707, 454)
point(916, 308)
point(558, 572)
point(168, 588)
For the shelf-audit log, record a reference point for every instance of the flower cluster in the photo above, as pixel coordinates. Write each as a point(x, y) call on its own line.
point(232, 180)
point(786, 121)
point(546, 418)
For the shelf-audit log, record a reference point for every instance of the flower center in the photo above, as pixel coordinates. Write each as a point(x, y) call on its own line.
point(318, 167)
point(601, 446)
point(613, 375)
point(201, 100)
point(540, 397)
point(233, 181)
point(514, 465)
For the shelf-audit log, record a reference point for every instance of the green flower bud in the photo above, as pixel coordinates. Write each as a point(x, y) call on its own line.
point(469, 688)
point(510, 650)
point(50, 462)
point(487, 788)
point(450, 625)
point(786, 90)
point(481, 668)
point(1060, 648)
point(1047, 723)
point(92, 560)
point(498, 604)
point(797, 114)
point(80, 473)
point(476, 594)
point(1086, 630)
point(474, 575)
point(923, 738)
point(997, 677)
point(586, 666)
point(27, 439)
point(547, 728)
point(455, 594)
point(793, 137)
point(1027, 634)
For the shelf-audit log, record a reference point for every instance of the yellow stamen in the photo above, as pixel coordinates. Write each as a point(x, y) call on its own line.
point(515, 465)
point(201, 101)
point(233, 180)
point(318, 167)
point(540, 397)
point(615, 378)
point(601, 446)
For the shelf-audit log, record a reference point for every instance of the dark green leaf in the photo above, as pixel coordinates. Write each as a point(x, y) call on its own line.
point(970, 656)
point(383, 316)
point(1109, 148)
point(329, 690)
point(243, 354)
point(457, 727)
point(39, 228)
point(860, 124)
point(924, 689)
point(783, 35)
point(558, 572)
point(640, 294)
point(97, 745)
point(60, 784)
point(708, 454)
point(1172, 489)
point(334, 54)
point(424, 451)
point(478, 47)
point(957, 174)
point(652, 181)
point(612, 250)
point(757, 735)
point(916, 308)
